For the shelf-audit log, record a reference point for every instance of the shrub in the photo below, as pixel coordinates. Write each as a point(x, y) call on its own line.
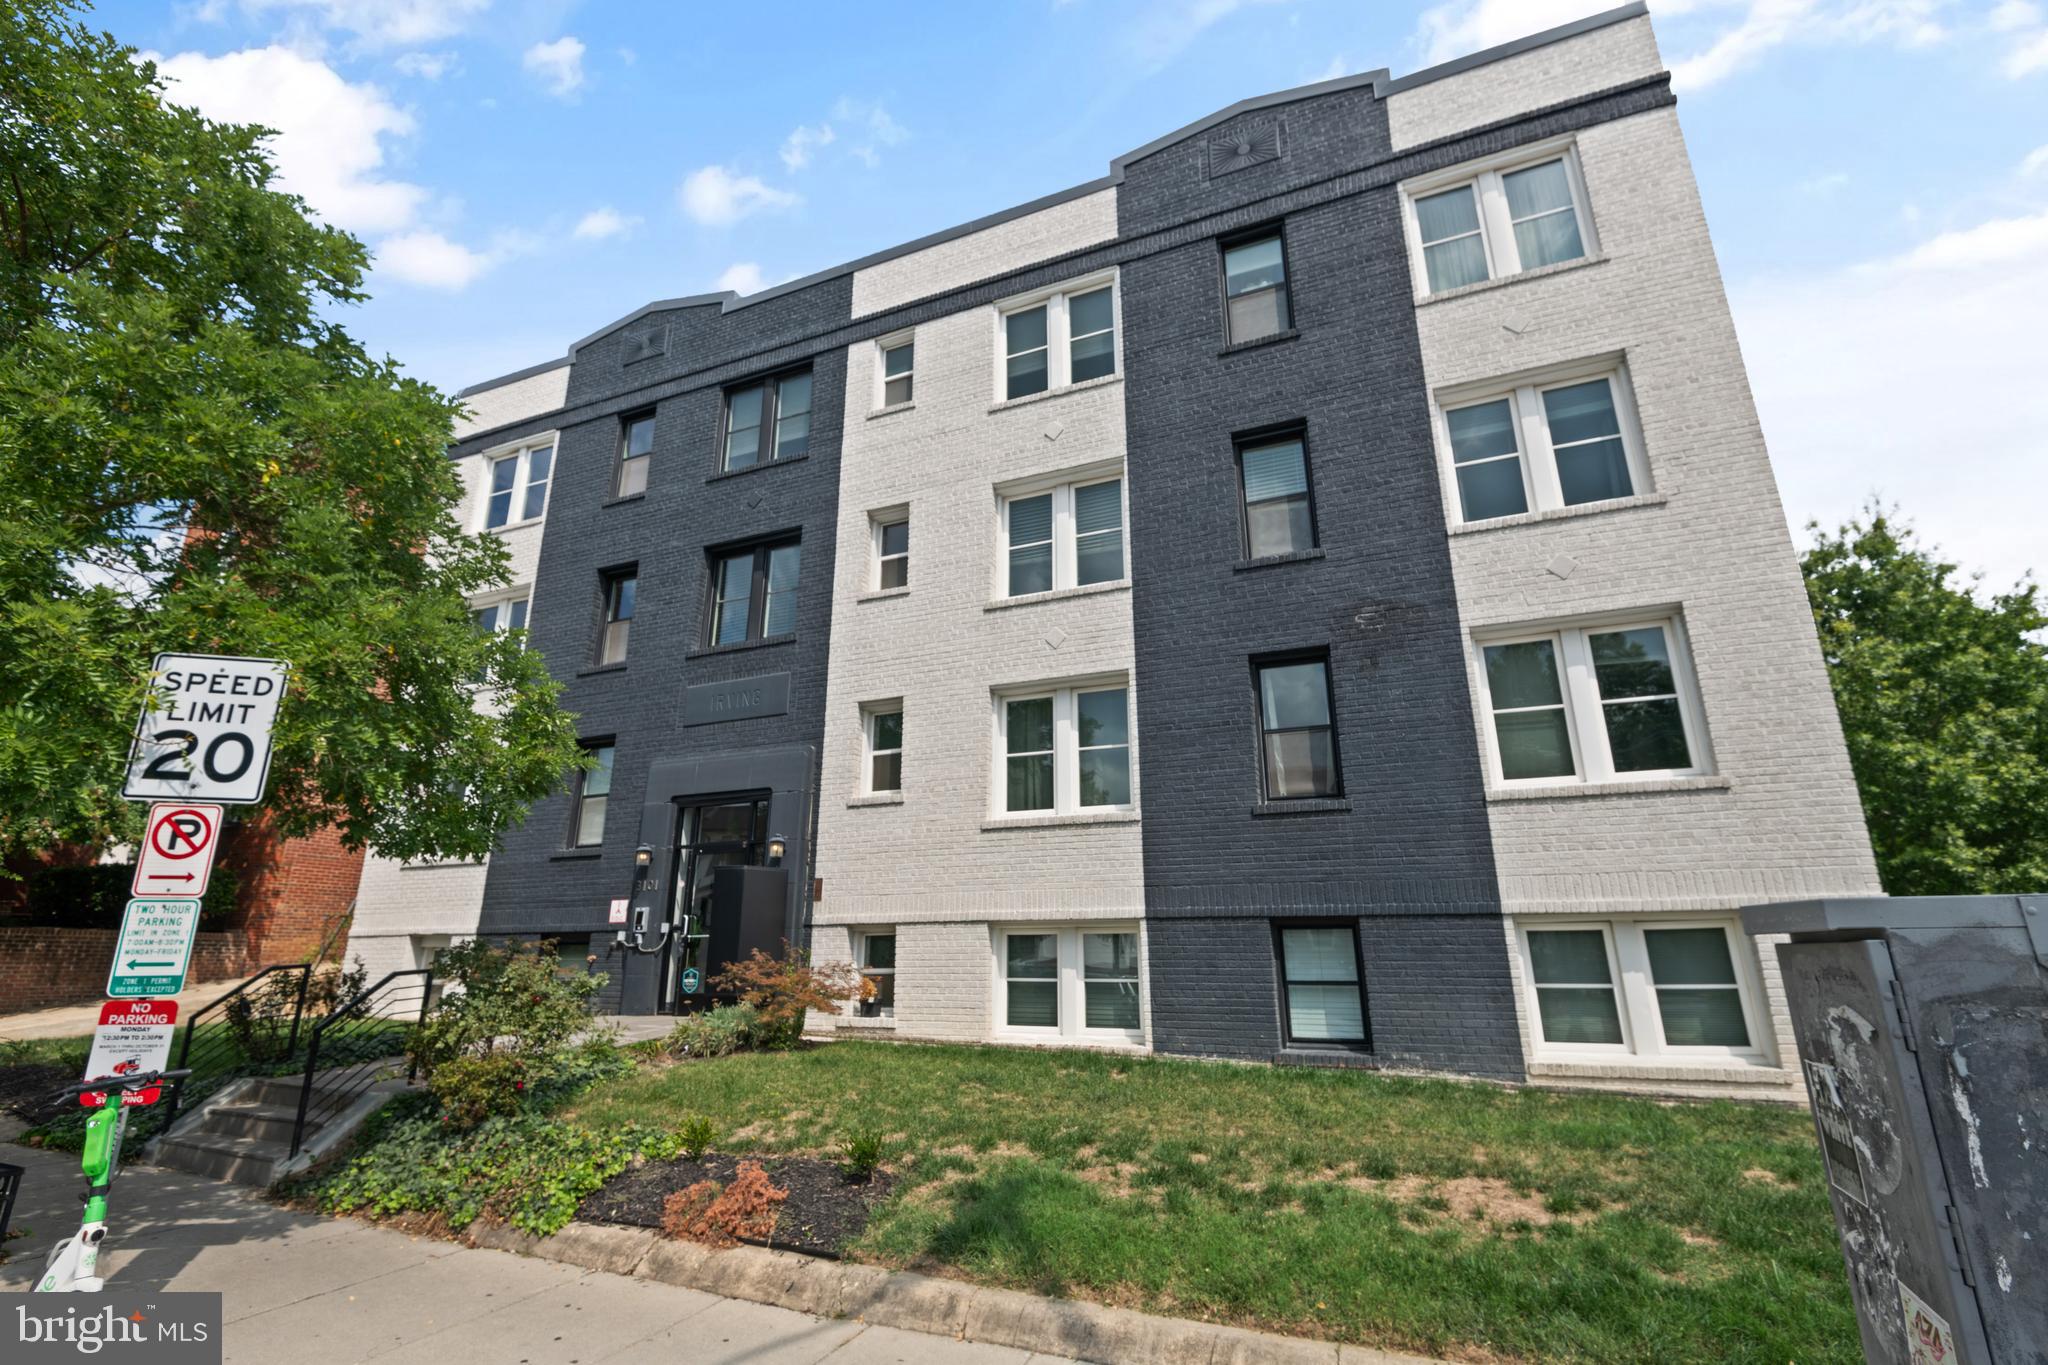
point(472, 1089)
point(783, 989)
point(525, 1169)
point(747, 1208)
point(717, 1032)
point(696, 1136)
point(507, 1002)
point(96, 896)
point(860, 1152)
point(260, 1020)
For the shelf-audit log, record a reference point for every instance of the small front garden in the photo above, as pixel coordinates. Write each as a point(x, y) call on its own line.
point(1454, 1219)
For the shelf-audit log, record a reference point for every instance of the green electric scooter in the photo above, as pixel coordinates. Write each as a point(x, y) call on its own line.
point(73, 1266)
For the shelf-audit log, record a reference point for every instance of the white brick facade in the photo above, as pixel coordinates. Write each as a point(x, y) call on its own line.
point(404, 911)
point(1778, 818)
point(932, 864)
point(1010, 245)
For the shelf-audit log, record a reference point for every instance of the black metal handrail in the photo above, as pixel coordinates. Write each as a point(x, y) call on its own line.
point(364, 1034)
point(219, 1052)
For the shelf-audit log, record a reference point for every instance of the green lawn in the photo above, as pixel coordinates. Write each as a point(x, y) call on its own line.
point(1406, 1213)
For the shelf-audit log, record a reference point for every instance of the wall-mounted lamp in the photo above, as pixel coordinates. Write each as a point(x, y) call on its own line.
point(643, 857)
point(777, 846)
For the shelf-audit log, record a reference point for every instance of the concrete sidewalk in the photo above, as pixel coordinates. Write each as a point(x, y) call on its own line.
point(70, 1021)
point(341, 1290)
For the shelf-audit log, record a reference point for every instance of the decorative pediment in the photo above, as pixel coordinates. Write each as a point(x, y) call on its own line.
point(1244, 144)
point(643, 344)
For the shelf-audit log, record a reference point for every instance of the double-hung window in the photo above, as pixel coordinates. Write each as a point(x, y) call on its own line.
point(882, 727)
point(768, 420)
point(593, 790)
point(1064, 750)
point(1545, 446)
point(1279, 514)
point(619, 591)
point(1255, 287)
point(636, 453)
point(1070, 983)
point(1667, 988)
point(753, 592)
point(509, 614)
point(1592, 704)
point(1064, 537)
point(1322, 999)
point(519, 485)
point(899, 362)
point(1051, 341)
point(878, 964)
point(892, 551)
point(1518, 214)
point(1298, 739)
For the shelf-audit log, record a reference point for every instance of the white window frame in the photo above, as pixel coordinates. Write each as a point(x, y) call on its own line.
point(1642, 1022)
point(1072, 993)
point(1496, 230)
point(868, 714)
point(883, 346)
point(1059, 361)
point(522, 451)
point(860, 960)
point(877, 521)
point(1066, 746)
point(1065, 549)
point(503, 601)
point(1542, 490)
point(1584, 722)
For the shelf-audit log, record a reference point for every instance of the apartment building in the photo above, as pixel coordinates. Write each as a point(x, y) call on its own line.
point(1316, 594)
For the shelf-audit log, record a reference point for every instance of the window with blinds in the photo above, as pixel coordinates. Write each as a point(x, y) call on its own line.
point(1065, 537)
point(1278, 516)
point(1323, 1000)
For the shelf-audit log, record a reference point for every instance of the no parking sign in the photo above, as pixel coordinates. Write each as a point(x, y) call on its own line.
point(177, 849)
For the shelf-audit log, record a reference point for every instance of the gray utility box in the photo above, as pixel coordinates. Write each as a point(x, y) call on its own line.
point(1923, 1034)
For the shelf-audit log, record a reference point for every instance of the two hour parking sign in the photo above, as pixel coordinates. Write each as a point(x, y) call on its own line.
point(205, 735)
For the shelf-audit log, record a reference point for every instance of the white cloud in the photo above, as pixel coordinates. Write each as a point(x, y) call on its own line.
point(1750, 28)
point(329, 145)
point(2030, 56)
point(742, 277)
point(2009, 15)
point(872, 125)
point(427, 258)
point(2035, 162)
point(380, 23)
point(1338, 67)
point(560, 63)
point(802, 141)
point(715, 195)
point(1166, 27)
point(1453, 30)
point(426, 65)
point(1856, 374)
point(604, 222)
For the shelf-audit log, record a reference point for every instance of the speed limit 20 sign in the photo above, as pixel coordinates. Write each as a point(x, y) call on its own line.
point(205, 735)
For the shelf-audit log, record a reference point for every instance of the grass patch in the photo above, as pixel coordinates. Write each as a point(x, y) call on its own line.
point(1429, 1215)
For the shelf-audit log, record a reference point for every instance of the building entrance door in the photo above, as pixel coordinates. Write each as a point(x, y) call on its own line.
point(726, 833)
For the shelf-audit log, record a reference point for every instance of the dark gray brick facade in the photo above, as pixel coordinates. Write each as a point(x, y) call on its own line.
point(537, 884)
point(1407, 854)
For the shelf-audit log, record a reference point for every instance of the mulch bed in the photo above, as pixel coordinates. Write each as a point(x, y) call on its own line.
point(823, 1213)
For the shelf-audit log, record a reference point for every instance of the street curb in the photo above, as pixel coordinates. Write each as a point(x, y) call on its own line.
point(922, 1303)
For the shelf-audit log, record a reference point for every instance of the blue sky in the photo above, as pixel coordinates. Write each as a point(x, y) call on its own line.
point(1875, 173)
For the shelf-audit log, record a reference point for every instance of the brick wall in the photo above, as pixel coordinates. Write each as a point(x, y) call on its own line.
point(295, 894)
point(44, 967)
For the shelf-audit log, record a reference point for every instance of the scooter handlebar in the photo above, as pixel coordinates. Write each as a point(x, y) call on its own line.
point(135, 1082)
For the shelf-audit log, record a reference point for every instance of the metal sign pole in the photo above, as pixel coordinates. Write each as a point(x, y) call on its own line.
point(203, 742)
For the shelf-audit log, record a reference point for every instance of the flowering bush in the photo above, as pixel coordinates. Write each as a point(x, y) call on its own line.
point(783, 989)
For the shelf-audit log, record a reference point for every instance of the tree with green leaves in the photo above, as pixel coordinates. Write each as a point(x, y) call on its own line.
point(196, 456)
point(1944, 701)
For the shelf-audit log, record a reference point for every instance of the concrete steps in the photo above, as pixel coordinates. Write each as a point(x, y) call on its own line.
point(244, 1132)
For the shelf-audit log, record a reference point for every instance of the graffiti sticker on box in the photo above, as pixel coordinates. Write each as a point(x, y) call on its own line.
point(1928, 1338)
point(1837, 1139)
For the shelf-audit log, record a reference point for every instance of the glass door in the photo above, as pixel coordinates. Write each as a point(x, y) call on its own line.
point(723, 834)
